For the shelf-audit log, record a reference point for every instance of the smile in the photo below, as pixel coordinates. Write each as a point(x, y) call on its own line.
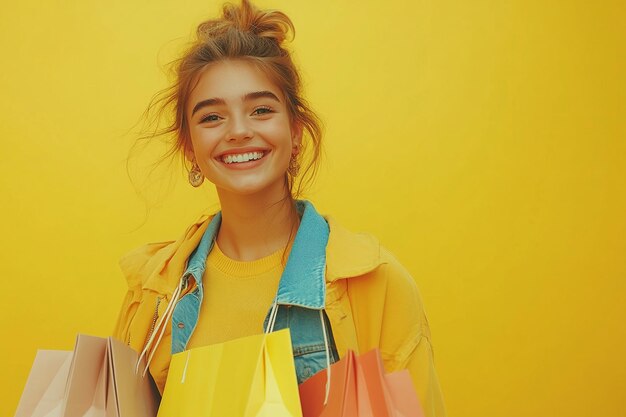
point(242, 157)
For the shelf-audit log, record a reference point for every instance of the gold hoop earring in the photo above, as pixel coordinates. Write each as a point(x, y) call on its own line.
point(195, 175)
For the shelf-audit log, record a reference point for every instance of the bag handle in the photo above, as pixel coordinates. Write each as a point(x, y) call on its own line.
point(159, 329)
point(270, 329)
point(327, 348)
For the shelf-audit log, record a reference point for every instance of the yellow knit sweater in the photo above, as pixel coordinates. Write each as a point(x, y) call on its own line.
point(237, 296)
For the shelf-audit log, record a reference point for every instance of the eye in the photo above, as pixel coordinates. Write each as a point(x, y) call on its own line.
point(262, 110)
point(210, 118)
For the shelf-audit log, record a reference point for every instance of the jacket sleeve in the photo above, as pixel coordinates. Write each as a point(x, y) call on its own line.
point(405, 337)
point(422, 369)
point(120, 331)
point(136, 267)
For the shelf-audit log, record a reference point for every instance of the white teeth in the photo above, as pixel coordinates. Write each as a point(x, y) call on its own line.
point(242, 157)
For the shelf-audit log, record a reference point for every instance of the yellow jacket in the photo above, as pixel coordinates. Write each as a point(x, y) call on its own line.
point(371, 301)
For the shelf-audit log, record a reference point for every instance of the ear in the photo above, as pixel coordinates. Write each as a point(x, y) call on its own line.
point(296, 136)
point(189, 154)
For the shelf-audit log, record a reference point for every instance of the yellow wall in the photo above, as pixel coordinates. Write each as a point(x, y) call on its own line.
point(483, 142)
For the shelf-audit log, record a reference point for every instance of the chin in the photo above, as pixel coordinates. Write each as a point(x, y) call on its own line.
point(254, 188)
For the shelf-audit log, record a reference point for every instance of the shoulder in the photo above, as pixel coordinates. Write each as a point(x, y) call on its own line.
point(402, 296)
point(142, 263)
point(397, 276)
point(389, 310)
point(390, 286)
point(378, 285)
point(351, 254)
point(143, 258)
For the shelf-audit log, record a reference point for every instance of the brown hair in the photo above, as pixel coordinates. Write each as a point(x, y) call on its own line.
point(242, 32)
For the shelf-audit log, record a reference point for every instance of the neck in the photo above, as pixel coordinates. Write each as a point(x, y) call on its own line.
point(257, 225)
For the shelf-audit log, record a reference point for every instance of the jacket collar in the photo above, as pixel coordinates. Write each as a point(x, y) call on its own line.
point(303, 280)
point(320, 241)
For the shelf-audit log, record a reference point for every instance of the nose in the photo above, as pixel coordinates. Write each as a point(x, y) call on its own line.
point(239, 129)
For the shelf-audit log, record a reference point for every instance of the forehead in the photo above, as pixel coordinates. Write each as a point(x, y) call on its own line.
point(231, 80)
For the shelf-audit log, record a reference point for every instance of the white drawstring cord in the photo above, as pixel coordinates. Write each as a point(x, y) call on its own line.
point(270, 329)
point(159, 328)
point(327, 349)
point(182, 381)
point(272, 319)
point(155, 331)
point(168, 315)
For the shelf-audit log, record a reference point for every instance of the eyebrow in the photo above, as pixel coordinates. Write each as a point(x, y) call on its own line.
point(248, 97)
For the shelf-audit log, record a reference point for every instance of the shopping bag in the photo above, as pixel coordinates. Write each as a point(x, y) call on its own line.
point(45, 386)
point(129, 394)
point(248, 377)
point(96, 379)
point(359, 387)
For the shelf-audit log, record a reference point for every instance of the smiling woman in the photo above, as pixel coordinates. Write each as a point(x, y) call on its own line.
point(241, 122)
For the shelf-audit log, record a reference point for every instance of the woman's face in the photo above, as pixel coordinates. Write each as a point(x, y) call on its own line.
point(240, 129)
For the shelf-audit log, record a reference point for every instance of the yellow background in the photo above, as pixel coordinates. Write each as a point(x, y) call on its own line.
point(483, 142)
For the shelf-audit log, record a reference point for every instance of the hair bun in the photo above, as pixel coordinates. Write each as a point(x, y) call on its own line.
point(247, 18)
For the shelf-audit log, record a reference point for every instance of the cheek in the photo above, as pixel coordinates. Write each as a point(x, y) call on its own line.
point(278, 134)
point(203, 141)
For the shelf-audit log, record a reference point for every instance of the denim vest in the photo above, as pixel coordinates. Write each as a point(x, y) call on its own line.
point(300, 297)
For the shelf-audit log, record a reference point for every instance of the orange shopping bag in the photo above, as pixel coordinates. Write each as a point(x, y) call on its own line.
point(359, 387)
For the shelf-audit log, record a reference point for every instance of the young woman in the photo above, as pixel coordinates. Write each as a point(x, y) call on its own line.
point(241, 123)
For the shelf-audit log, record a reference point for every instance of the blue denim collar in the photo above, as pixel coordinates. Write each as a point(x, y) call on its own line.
point(303, 280)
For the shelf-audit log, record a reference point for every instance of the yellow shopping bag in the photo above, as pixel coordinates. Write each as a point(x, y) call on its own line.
point(249, 377)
